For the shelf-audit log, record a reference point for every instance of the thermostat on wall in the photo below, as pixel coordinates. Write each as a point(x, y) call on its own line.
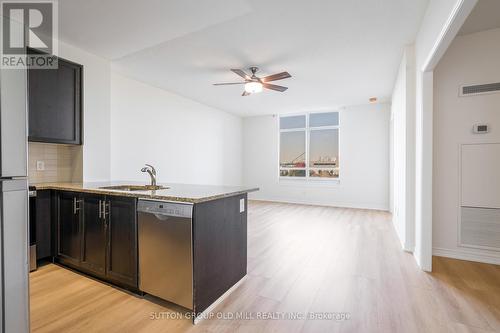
point(481, 128)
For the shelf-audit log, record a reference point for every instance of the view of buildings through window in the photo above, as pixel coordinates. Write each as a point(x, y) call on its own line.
point(309, 145)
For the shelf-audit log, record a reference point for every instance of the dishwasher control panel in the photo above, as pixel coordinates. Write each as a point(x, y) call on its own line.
point(165, 208)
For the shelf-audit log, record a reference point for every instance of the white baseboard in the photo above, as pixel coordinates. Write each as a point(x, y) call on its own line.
point(335, 204)
point(469, 255)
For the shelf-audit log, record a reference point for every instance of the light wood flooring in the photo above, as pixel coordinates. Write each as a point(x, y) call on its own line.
point(301, 259)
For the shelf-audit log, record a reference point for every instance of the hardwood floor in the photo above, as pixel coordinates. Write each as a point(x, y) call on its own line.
point(302, 259)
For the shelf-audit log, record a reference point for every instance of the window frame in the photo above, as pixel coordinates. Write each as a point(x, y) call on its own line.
point(307, 131)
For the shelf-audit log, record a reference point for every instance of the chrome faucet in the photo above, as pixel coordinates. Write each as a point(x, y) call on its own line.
point(152, 173)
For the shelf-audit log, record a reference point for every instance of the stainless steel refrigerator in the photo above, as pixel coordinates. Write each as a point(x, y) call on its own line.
point(14, 292)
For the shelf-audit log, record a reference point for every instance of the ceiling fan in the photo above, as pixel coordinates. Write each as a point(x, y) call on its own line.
point(254, 84)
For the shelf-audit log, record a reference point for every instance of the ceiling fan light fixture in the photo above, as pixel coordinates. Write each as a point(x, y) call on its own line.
point(253, 87)
point(254, 84)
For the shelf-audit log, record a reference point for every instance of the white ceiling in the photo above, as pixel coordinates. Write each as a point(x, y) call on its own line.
point(485, 16)
point(115, 28)
point(338, 52)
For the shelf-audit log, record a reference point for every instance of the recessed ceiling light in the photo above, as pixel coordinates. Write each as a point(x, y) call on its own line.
point(373, 99)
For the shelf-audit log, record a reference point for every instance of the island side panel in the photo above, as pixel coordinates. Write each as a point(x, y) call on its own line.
point(219, 248)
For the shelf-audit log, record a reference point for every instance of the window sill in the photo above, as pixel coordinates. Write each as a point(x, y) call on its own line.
point(308, 182)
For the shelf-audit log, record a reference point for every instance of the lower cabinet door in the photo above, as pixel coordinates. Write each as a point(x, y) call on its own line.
point(68, 227)
point(43, 224)
point(93, 234)
point(121, 215)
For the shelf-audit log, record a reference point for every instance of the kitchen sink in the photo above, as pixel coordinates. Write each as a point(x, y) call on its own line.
point(134, 187)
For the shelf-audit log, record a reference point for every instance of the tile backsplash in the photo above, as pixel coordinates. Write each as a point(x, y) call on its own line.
point(62, 163)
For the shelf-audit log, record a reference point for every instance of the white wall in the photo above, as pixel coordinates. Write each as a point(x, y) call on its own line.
point(397, 146)
point(392, 185)
point(471, 59)
point(403, 143)
point(96, 111)
point(364, 156)
point(188, 142)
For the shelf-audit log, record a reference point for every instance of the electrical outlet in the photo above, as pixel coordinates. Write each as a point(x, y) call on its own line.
point(40, 165)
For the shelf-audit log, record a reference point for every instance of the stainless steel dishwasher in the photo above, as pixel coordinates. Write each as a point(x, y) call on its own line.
point(165, 251)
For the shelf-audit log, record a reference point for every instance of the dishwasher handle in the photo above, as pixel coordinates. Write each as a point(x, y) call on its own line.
point(165, 208)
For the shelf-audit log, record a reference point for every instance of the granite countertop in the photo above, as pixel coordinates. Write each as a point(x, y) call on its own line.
point(175, 192)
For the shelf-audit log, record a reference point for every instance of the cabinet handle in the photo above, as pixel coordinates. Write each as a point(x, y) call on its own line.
point(103, 209)
point(105, 206)
point(76, 207)
point(100, 208)
point(105, 213)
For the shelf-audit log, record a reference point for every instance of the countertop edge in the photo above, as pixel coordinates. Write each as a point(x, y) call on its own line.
point(142, 195)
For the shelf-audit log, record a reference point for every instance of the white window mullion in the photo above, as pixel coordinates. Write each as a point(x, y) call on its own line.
point(293, 130)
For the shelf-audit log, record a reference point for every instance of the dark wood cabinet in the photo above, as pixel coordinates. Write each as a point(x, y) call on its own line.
point(220, 248)
point(97, 234)
point(236, 237)
point(93, 234)
point(69, 227)
point(43, 224)
point(55, 103)
point(122, 240)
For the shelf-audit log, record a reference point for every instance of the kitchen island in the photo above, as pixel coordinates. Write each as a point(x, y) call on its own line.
point(191, 255)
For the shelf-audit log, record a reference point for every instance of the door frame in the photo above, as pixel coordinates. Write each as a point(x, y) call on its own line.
point(424, 132)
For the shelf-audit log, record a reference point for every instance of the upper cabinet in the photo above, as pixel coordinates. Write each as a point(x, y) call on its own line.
point(55, 104)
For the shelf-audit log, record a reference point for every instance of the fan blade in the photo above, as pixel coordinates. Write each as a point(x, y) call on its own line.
point(275, 77)
point(274, 87)
point(241, 73)
point(225, 84)
point(245, 93)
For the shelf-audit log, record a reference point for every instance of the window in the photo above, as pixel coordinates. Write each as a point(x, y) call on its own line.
point(309, 146)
